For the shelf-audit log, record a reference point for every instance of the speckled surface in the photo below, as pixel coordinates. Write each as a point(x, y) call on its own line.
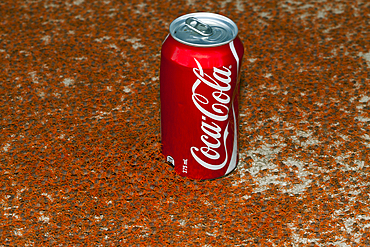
point(80, 161)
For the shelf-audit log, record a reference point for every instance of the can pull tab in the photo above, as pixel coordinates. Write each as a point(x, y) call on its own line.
point(198, 26)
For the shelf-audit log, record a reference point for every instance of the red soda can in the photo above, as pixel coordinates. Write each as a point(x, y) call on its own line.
point(199, 91)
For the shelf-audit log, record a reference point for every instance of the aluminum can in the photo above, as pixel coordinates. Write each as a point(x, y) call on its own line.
point(199, 91)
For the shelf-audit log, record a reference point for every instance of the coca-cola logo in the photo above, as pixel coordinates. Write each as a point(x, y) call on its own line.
point(214, 137)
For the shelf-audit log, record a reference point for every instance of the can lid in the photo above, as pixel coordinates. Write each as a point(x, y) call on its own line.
point(203, 29)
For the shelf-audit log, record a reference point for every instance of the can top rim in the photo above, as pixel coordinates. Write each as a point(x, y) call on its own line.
point(224, 30)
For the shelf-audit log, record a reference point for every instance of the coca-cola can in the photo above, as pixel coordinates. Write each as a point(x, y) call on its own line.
point(199, 92)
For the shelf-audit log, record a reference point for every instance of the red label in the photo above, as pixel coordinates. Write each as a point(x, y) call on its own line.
point(199, 108)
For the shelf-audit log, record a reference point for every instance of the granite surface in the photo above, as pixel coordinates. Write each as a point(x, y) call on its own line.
point(80, 159)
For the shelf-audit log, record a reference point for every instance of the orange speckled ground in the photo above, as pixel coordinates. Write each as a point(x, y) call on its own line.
point(80, 161)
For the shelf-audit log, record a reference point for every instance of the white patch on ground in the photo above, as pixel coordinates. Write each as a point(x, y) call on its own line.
point(135, 43)
point(44, 218)
point(15, 216)
point(364, 99)
point(140, 8)
point(341, 159)
point(144, 230)
point(48, 196)
point(344, 219)
point(114, 47)
point(296, 238)
point(26, 53)
point(190, 2)
point(19, 192)
point(299, 239)
point(252, 60)
point(361, 222)
point(367, 140)
point(34, 77)
point(366, 136)
point(294, 6)
point(246, 197)
point(80, 17)
point(57, 95)
point(18, 232)
point(206, 202)
point(360, 164)
point(302, 174)
point(46, 39)
point(78, 2)
point(272, 174)
point(113, 12)
point(265, 15)
point(366, 56)
point(311, 140)
point(79, 58)
point(360, 107)
point(6, 147)
point(103, 114)
point(268, 75)
point(239, 5)
point(321, 14)
point(102, 39)
point(241, 170)
point(182, 222)
point(363, 103)
point(41, 95)
point(224, 3)
point(307, 6)
point(331, 28)
point(336, 9)
point(68, 82)
point(261, 161)
point(98, 218)
point(126, 89)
